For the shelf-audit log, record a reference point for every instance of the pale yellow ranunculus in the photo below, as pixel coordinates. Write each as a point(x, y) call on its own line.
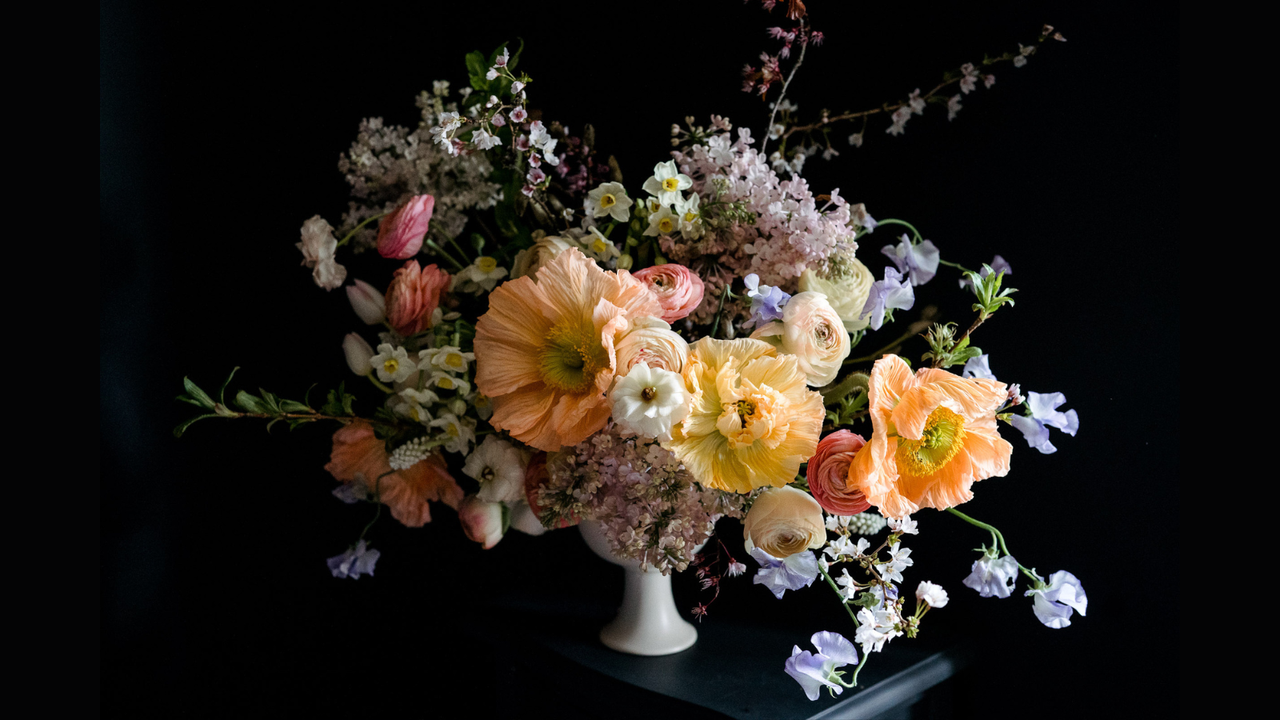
point(784, 521)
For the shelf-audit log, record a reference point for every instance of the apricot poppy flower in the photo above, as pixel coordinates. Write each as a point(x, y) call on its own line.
point(357, 451)
point(933, 435)
point(545, 350)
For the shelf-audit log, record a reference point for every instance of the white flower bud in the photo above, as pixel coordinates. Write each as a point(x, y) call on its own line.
point(358, 354)
point(368, 303)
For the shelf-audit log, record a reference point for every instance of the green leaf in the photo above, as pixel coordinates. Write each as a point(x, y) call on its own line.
point(222, 393)
point(476, 70)
point(515, 56)
point(196, 393)
point(251, 404)
point(271, 401)
point(293, 406)
point(177, 432)
point(185, 399)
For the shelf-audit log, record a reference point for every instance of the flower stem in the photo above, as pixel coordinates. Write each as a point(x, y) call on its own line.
point(957, 266)
point(804, 45)
point(444, 254)
point(839, 594)
point(720, 309)
point(355, 229)
point(876, 355)
point(999, 538)
point(892, 221)
point(379, 385)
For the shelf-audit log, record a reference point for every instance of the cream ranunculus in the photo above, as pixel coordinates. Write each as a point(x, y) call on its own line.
point(846, 288)
point(653, 342)
point(528, 261)
point(811, 330)
point(784, 521)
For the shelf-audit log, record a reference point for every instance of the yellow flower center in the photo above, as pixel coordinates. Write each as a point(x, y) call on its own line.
point(571, 357)
point(671, 184)
point(942, 438)
point(608, 200)
point(760, 416)
point(445, 383)
point(599, 245)
point(486, 264)
point(391, 366)
point(665, 225)
point(690, 217)
point(454, 361)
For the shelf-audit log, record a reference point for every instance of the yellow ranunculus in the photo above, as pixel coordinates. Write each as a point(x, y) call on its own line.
point(784, 521)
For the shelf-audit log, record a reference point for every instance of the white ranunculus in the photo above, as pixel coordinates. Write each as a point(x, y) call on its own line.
point(653, 342)
point(648, 401)
point(810, 330)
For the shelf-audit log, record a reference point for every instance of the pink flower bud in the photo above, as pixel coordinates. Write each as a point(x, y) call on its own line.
point(481, 521)
point(400, 234)
point(368, 302)
point(358, 354)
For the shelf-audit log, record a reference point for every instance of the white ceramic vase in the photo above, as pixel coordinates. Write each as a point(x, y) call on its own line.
point(648, 622)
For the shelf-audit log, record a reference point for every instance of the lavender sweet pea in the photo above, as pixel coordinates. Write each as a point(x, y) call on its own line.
point(1043, 411)
point(766, 301)
point(354, 562)
point(888, 294)
point(783, 574)
point(1055, 601)
point(993, 576)
point(814, 670)
point(919, 262)
point(978, 367)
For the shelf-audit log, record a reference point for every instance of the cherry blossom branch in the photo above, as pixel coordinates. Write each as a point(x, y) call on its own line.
point(804, 45)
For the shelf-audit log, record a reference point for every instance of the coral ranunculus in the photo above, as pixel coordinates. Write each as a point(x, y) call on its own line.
point(414, 294)
point(933, 435)
point(357, 451)
point(828, 474)
point(545, 349)
point(753, 420)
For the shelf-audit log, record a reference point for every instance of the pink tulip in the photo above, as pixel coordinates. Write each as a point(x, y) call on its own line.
point(401, 233)
point(481, 521)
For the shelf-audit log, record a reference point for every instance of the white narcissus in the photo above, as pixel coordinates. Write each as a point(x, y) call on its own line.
point(667, 183)
point(609, 199)
point(649, 401)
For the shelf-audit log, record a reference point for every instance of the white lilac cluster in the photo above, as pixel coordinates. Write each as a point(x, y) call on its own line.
point(649, 505)
point(790, 229)
point(386, 165)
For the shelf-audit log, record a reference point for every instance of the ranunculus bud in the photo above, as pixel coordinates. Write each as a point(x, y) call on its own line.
point(401, 233)
point(543, 251)
point(483, 522)
point(653, 342)
point(828, 474)
point(413, 296)
point(812, 331)
point(784, 521)
point(678, 288)
point(358, 354)
point(368, 303)
point(847, 291)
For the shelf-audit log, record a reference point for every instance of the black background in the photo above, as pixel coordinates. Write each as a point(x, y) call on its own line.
point(220, 132)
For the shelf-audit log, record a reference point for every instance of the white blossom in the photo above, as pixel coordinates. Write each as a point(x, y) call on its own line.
point(648, 401)
point(392, 363)
point(931, 594)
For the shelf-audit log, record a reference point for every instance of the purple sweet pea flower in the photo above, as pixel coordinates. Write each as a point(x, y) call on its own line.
point(354, 562)
point(766, 301)
point(888, 294)
point(920, 262)
point(790, 573)
point(997, 264)
point(992, 576)
point(978, 367)
point(813, 671)
point(354, 491)
point(1044, 412)
point(1054, 602)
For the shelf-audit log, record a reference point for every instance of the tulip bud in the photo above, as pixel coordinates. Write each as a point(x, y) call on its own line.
point(368, 302)
point(358, 354)
point(401, 233)
point(483, 522)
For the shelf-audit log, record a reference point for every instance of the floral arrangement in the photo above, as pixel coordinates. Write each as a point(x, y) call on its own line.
point(551, 345)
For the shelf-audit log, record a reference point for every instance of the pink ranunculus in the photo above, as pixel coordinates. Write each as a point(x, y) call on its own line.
point(401, 233)
point(481, 521)
point(678, 288)
point(413, 296)
point(828, 474)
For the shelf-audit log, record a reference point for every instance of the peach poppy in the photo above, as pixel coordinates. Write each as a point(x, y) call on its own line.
point(933, 435)
point(357, 451)
point(545, 349)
